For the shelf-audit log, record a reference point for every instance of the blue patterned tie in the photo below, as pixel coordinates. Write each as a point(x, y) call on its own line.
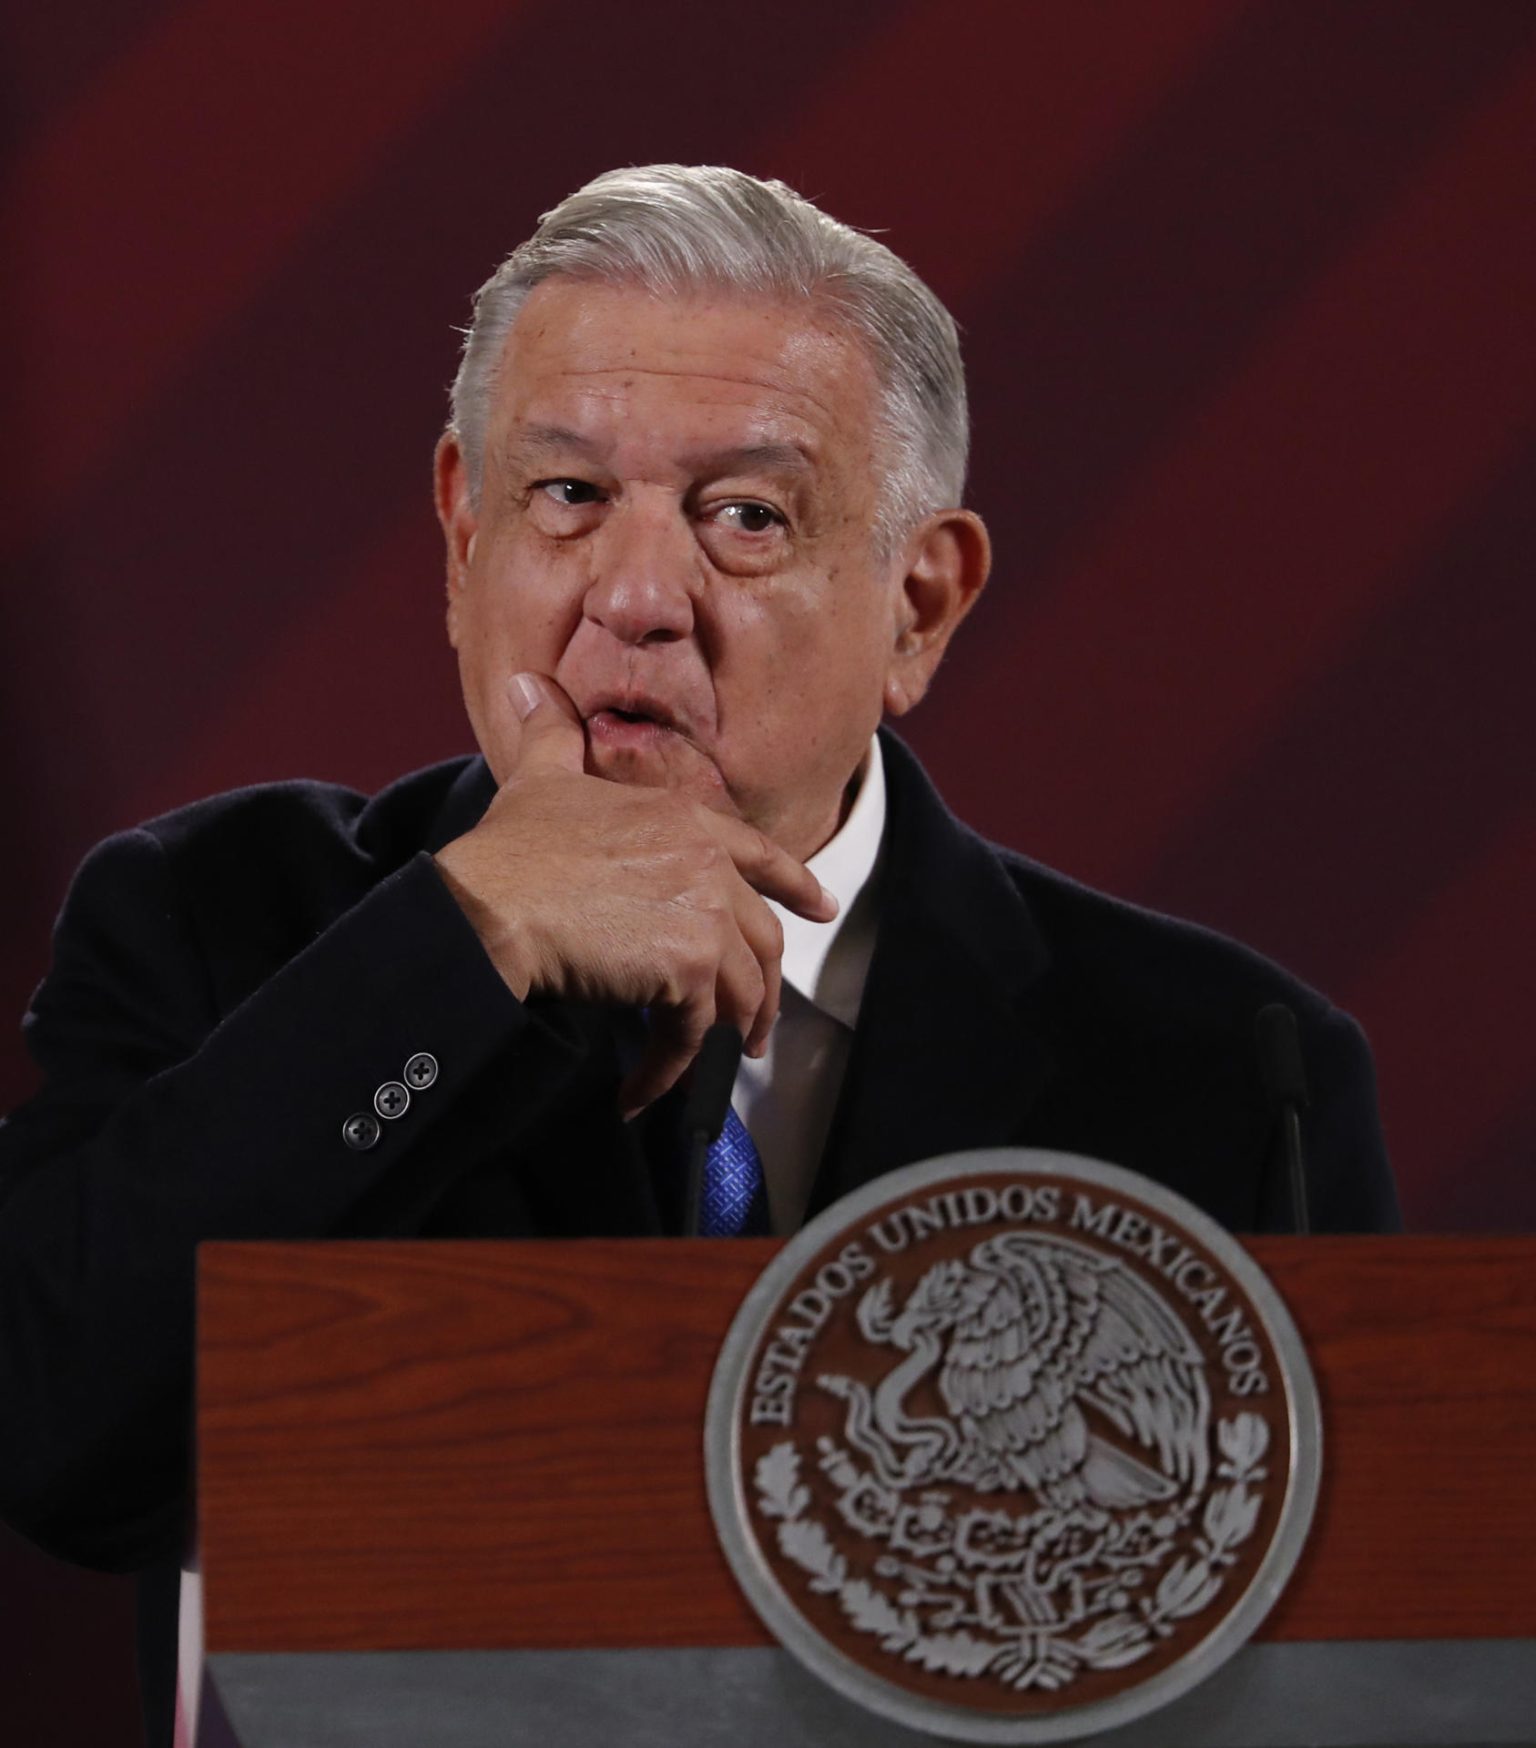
point(735, 1196)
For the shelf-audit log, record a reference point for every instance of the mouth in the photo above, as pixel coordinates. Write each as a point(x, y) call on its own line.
point(631, 722)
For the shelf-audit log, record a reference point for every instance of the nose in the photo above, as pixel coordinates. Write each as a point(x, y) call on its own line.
point(644, 561)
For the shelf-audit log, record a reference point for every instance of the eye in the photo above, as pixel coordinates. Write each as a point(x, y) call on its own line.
point(570, 492)
point(749, 517)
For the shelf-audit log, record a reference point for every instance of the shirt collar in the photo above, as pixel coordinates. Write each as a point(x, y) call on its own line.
point(827, 963)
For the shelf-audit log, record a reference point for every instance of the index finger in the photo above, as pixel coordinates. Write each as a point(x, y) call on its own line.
point(772, 871)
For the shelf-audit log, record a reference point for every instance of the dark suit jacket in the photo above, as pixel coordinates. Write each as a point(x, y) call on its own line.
point(232, 981)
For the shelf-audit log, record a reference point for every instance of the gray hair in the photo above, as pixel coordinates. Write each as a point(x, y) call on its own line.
point(675, 228)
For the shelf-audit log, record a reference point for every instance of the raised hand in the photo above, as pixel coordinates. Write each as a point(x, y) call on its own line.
point(606, 892)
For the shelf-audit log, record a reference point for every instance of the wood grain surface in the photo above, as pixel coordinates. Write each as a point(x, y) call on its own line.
point(439, 1445)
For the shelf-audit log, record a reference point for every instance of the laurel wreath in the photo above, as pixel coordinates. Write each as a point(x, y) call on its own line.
point(1045, 1658)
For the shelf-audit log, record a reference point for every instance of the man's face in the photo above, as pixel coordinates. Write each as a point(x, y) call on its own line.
point(675, 525)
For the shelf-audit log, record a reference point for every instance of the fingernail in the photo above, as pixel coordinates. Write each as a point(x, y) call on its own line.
point(829, 899)
point(525, 695)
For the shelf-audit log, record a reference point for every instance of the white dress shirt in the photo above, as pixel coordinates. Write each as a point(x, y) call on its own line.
point(787, 1096)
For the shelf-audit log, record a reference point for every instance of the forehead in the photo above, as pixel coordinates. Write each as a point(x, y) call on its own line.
point(629, 369)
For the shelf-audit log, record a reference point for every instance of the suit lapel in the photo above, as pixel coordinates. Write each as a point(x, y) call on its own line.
point(951, 1048)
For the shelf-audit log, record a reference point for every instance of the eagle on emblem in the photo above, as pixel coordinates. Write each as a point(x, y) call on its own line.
point(1041, 1348)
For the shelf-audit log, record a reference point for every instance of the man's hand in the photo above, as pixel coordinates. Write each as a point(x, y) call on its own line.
point(603, 892)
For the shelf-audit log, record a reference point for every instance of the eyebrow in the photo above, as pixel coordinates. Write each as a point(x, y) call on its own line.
point(543, 439)
point(747, 457)
point(531, 440)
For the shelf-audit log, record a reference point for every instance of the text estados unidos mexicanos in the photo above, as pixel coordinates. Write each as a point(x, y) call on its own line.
point(778, 1368)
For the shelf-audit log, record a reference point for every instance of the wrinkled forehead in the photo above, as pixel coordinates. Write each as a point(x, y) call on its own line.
point(621, 365)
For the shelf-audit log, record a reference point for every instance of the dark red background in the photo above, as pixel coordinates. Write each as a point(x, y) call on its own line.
point(1247, 292)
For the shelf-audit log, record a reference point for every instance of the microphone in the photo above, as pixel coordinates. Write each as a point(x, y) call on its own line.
point(1285, 1085)
point(709, 1098)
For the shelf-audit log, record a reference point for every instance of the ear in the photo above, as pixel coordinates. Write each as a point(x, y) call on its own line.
point(946, 564)
point(457, 517)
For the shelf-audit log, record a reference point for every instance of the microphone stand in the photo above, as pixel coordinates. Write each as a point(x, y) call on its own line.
point(1285, 1081)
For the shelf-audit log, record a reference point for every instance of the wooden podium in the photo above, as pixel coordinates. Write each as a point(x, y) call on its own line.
point(454, 1493)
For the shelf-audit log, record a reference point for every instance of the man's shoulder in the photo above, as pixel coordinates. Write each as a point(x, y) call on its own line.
point(300, 821)
point(1098, 941)
point(257, 873)
point(218, 895)
point(1099, 953)
point(1153, 1024)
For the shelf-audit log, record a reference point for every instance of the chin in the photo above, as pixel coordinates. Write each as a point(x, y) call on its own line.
point(667, 763)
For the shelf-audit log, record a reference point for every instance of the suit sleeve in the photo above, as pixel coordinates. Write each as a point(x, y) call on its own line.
point(162, 1124)
point(1349, 1180)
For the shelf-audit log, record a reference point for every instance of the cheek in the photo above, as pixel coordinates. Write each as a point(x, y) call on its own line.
point(807, 660)
point(515, 618)
point(838, 633)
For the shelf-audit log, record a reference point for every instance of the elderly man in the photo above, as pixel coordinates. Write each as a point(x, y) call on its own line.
point(701, 498)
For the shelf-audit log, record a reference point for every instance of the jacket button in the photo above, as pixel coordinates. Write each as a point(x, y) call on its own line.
point(421, 1071)
point(391, 1099)
point(360, 1131)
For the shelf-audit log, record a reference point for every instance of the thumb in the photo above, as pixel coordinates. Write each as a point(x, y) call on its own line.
point(552, 736)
